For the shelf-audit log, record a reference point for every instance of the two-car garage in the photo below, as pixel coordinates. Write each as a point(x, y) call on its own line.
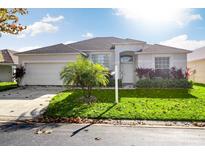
point(43, 65)
point(43, 73)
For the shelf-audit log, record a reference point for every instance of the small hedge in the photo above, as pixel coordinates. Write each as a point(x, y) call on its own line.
point(164, 83)
point(7, 85)
point(112, 82)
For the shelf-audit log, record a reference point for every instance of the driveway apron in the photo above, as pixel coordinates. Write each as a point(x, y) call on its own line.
point(26, 102)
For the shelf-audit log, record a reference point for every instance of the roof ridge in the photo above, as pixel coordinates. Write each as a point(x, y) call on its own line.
point(172, 47)
point(95, 38)
point(41, 48)
point(199, 48)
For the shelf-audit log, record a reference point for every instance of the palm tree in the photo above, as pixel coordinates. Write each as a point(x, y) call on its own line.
point(86, 74)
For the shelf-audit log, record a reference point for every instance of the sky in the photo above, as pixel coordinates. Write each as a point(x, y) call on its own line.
point(183, 28)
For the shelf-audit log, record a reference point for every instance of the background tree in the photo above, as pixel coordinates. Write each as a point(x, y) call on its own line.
point(85, 74)
point(9, 20)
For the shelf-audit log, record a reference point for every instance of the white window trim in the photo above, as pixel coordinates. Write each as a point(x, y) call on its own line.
point(161, 57)
point(101, 53)
point(171, 62)
point(127, 62)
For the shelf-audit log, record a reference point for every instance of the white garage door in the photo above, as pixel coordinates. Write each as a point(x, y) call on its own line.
point(43, 73)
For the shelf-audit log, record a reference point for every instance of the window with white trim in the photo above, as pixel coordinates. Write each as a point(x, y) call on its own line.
point(126, 59)
point(162, 62)
point(102, 59)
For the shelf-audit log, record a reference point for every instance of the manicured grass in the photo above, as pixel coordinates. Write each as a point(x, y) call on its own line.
point(7, 85)
point(150, 104)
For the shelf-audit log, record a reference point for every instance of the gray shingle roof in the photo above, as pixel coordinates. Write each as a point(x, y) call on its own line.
point(156, 48)
point(8, 57)
point(100, 43)
point(58, 48)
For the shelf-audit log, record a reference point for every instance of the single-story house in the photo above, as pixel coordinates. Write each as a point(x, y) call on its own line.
point(43, 65)
point(8, 62)
point(196, 64)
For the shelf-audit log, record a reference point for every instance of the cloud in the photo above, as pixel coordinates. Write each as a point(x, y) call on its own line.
point(187, 17)
point(49, 18)
point(41, 27)
point(46, 25)
point(182, 41)
point(179, 17)
point(27, 48)
point(88, 35)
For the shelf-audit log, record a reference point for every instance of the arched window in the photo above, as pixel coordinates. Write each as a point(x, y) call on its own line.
point(126, 59)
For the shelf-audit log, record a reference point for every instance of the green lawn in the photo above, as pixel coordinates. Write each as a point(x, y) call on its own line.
point(152, 104)
point(7, 85)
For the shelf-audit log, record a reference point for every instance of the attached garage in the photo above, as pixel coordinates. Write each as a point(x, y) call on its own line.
point(43, 65)
point(43, 73)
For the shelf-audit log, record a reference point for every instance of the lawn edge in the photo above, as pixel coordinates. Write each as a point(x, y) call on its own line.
point(133, 123)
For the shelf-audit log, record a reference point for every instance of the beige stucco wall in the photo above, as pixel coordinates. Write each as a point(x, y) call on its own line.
point(197, 69)
point(147, 60)
point(5, 73)
point(141, 59)
point(176, 60)
point(47, 58)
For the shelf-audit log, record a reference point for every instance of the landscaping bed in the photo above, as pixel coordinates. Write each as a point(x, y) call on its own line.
point(7, 85)
point(164, 83)
point(141, 104)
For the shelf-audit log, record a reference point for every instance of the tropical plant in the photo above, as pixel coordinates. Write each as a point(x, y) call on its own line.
point(85, 74)
point(19, 73)
point(177, 73)
point(173, 73)
point(188, 73)
point(9, 20)
point(145, 72)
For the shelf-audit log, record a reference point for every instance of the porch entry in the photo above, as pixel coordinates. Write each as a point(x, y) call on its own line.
point(127, 69)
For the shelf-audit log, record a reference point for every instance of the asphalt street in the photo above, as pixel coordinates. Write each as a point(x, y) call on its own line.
point(107, 135)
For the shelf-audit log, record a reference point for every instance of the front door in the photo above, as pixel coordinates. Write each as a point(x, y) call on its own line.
point(127, 69)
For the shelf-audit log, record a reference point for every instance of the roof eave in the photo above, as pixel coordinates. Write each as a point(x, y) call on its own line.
point(26, 54)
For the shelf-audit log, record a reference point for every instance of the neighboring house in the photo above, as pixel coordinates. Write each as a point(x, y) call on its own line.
point(8, 61)
point(196, 64)
point(43, 65)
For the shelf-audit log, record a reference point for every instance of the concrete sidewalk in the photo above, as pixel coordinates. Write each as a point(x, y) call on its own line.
point(25, 102)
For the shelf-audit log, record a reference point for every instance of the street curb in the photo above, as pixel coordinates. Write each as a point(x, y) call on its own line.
point(109, 125)
point(14, 118)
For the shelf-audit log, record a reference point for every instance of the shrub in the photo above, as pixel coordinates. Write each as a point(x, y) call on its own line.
point(145, 72)
point(85, 74)
point(7, 85)
point(112, 82)
point(164, 83)
point(19, 73)
point(187, 73)
point(173, 73)
point(111, 79)
point(177, 73)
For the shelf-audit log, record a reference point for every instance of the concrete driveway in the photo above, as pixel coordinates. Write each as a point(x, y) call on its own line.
point(26, 102)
